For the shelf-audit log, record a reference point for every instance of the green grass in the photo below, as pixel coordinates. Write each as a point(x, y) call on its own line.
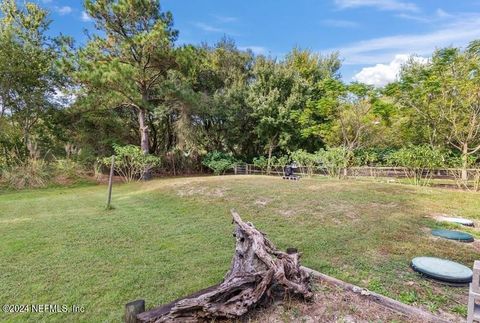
point(167, 238)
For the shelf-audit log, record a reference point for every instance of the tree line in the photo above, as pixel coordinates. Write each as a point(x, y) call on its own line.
point(131, 83)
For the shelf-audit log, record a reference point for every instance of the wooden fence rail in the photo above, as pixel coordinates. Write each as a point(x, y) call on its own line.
point(365, 171)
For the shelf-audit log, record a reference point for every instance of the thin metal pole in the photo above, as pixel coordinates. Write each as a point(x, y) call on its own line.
point(110, 180)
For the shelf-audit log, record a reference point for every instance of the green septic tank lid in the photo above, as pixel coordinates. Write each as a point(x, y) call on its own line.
point(442, 269)
point(453, 235)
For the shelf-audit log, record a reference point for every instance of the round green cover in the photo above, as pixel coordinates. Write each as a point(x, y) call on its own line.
point(453, 235)
point(442, 269)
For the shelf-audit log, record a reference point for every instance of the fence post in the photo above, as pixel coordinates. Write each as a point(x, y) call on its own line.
point(110, 182)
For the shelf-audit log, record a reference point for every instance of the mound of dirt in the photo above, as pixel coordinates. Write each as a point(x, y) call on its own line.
point(331, 304)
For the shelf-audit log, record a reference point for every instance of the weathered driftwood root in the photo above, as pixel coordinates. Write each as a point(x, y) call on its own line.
point(258, 273)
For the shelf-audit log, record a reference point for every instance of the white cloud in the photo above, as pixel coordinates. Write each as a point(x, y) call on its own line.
point(212, 29)
point(392, 5)
point(65, 10)
point(439, 15)
point(457, 32)
point(225, 19)
point(338, 23)
point(382, 74)
point(85, 17)
point(442, 13)
point(257, 50)
point(208, 28)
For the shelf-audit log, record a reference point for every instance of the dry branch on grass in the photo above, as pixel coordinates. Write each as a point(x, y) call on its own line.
point(259, 273)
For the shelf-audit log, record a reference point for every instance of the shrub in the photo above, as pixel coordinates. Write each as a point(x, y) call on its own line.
point(280, 161)
point(219, 162)
point(131, 163)
point(30, 174)
point(366, 157)
point(67, 168)
point(418, 162)
point(305, 159)
point(334, 160)
point(261, 162)
point(371, 156)
point(456, 164)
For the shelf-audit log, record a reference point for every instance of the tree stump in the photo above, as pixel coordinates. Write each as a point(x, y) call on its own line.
point(259, 273)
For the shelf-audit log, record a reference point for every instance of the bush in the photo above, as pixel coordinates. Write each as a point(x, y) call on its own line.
point(280, 161)
point(67, 168)
point(455, 163)
point(334, 160)
point(31, 174)
point(418, 162)
point(371, 156)
point(219, 162)
point(305, 159)
point(261, 162)
point(131, 163)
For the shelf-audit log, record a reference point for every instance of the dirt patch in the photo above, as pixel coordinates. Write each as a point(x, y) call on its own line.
point(352, 215)
point(330, 304)
point(263, 201)
point(202, 191)
point(287, 213)
point(476, 245)
point(103, 179)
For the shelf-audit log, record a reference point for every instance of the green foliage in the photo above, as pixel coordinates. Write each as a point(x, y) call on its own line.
point(408, 297)
point(280, 160)
point(418, 162)
point(68, 168)
point(461, 310)
point(261, 162)
point(29, 75)
point(371, 156)
point(132, 84)
point(127, 63)
point(130, 162)
point(334, 160)
point(219, 162)
point(437, 96)
point(305, 159)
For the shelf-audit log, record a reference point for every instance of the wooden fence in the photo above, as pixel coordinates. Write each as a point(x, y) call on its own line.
point(365, 171)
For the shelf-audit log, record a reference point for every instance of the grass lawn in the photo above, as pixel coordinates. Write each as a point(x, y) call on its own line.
point(167, 238)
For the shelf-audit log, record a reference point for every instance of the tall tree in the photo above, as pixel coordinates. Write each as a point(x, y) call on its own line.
point(269, 96)
point(126, 63)
point(459, 104)
point(312, 72)
point(445, 92)
point(28, 78)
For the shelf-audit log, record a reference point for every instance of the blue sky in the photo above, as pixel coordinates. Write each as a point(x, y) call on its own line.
point(374, 37)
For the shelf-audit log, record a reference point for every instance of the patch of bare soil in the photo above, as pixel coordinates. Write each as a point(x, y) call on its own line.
point(103, 179)
point(330, 304)
point(476, 245)
point(202, 191)
point(287, 213)
point(263, 201)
